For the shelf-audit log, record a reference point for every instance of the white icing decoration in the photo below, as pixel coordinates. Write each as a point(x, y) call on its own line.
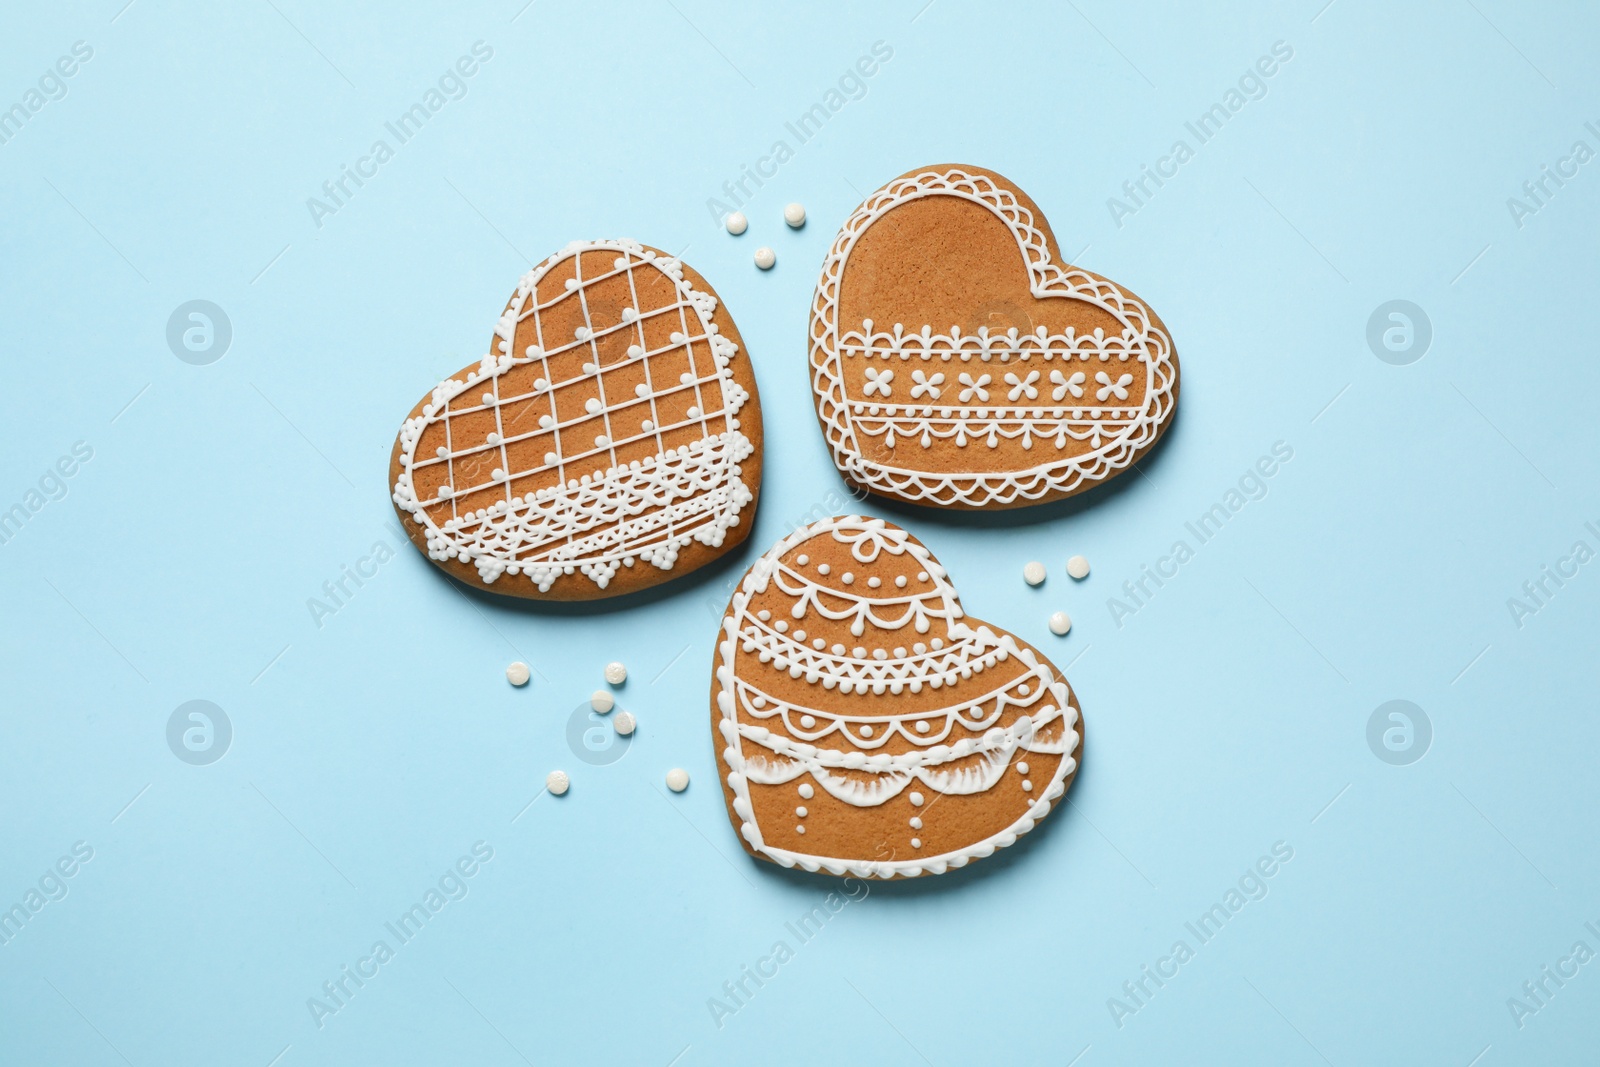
point(1114, 434)
point(517, 673)
point(842, 752)
point(601, 514)
point(557, 782)
point(677, 779)
point(616, 673)
point(1033, 572)
point(1078, 567)
point(794, 215)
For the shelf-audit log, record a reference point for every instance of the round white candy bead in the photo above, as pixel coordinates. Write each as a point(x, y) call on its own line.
point(1078, 567)
point(616, 673)
point(1033, 573)
point(1060, 623)
point(677, 779)
point(624, 723)
point(602, 701)
point(557, 782)
point(765, 258)
point(736, 223)
point(795, 216)
point(517, 673)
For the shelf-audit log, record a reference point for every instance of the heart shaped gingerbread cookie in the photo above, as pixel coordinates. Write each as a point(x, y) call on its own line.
point(958, 361)
point(610, 441)
point(864, 725)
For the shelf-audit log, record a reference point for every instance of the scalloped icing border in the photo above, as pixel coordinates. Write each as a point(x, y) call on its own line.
point(1046, 279)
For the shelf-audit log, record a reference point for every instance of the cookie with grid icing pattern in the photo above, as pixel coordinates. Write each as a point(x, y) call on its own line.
point(610, 440)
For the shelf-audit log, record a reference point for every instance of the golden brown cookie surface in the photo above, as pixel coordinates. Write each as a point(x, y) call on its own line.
point(864, 725)
point(610, 440)
point(958, 361)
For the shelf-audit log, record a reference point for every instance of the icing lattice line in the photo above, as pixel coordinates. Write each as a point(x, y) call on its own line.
point(601, 513)
point(837, 749)
point(1118, 442)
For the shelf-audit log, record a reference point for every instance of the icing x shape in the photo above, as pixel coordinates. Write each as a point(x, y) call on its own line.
point(865, 725)
point(1054, 379)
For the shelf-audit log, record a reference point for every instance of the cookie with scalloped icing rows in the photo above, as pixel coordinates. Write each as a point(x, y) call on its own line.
point(958, 361)
point(865, 725)
point(609, 441)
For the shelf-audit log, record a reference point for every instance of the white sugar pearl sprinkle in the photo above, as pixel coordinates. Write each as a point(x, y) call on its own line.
point(517, 673)
point(765, 258)
point(795, 215)
point(1060, 623)
point(736, 223)
point(1033, 573)
point(1078, 567)
point(602, 701)
point(677, 779)
point(616, 673)
point(624, 723)
point(557, 782)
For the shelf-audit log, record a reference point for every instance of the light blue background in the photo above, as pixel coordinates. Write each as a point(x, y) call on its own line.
point(1226, 715)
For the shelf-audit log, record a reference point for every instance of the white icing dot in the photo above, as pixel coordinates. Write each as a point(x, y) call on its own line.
point(916, 842)
point(780, 626)
point(592, 405)
point(866, 731)
point(602, 701)
point(557, 782)
point(837, 650)
point(551, 458)
point(1022, 768)
point(795, 216)
point(546, 421)
point(685, 378)
point(442, 452)
point(802, 559)
point(899, 581)
point(801, 812)
point(1060, 623)
point(922, 726)
point(823, 568)
point(764, 615)
point(874, 582)
point(799, 635)
point(1022, 690)
point(1027, 786)
point(922, 576)
point(1033, 573)
point(847, 578)
point(916, 800)
point(601, 440)
point(647, 426)
point(808, 721)
point(1078, 567)
point(641, 390)
point(624, 723)
point(488, 399)
point(916, 822)
point(616, 673)
point(799, 829)
point(677, 779)
point(694, 413)
point(806, 792)
point(517, 673)
point(765, 258)
point(736, 223)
